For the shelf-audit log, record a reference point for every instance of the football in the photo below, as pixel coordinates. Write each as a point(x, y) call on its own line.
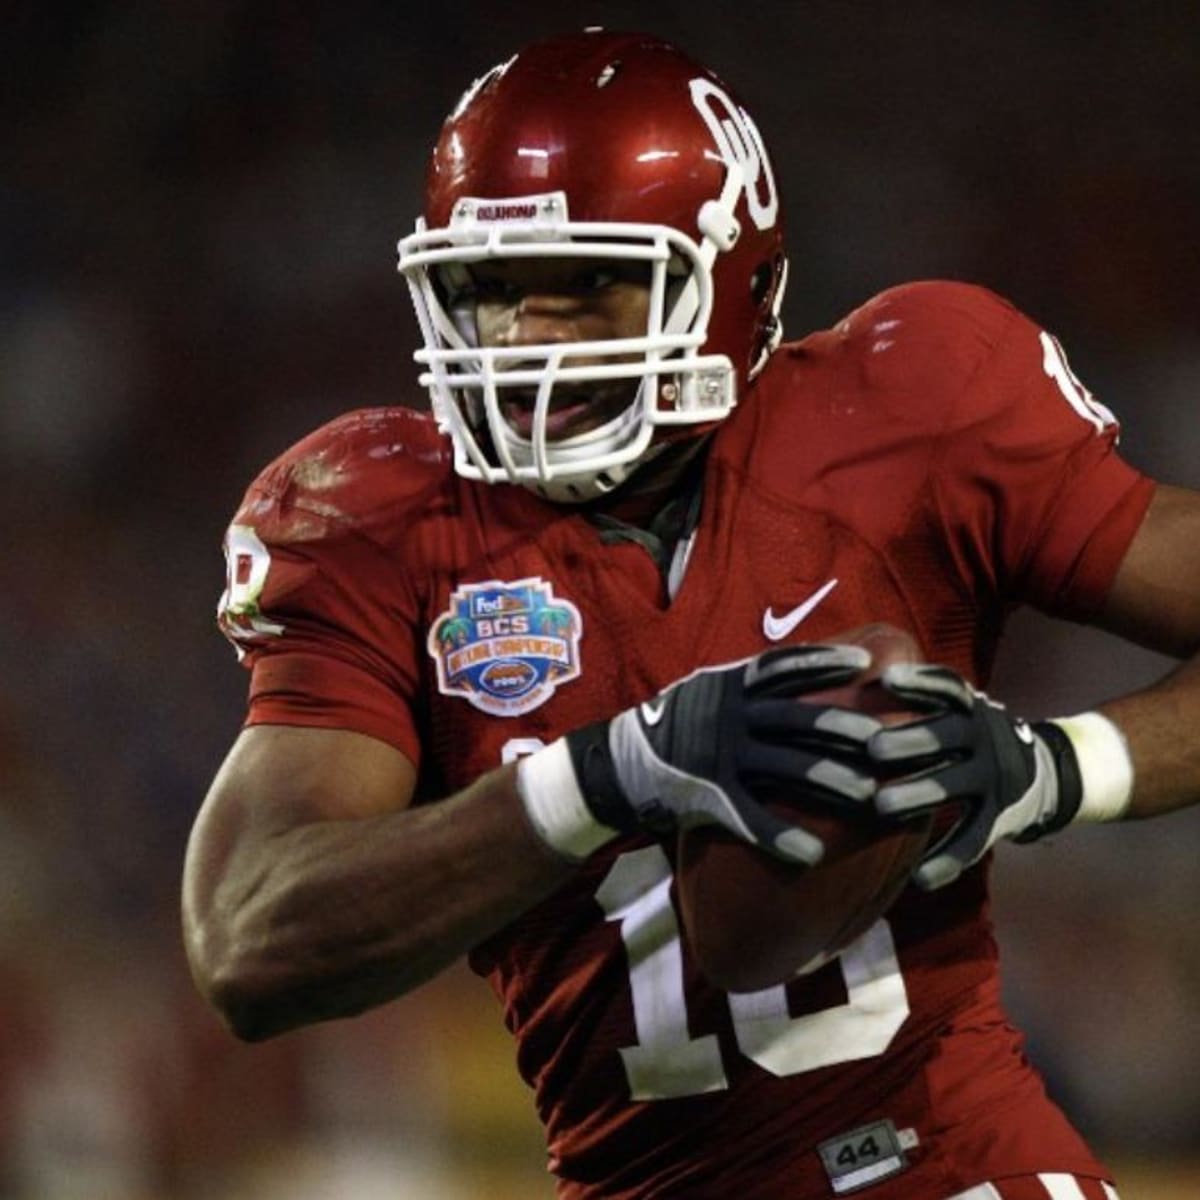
point(753, 921)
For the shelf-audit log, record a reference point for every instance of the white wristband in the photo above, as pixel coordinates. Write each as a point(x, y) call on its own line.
point(555, 806)
point(1105, 768)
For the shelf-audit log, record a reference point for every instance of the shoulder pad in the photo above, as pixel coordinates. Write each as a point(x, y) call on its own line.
point(943, 327)
point(916, 350)
point(355, 472)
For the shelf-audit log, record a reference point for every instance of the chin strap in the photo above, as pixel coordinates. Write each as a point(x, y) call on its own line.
point(589, 486)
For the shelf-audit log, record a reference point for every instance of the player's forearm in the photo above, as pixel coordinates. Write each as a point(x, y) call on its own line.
point(1161, 725)
point(327, 919)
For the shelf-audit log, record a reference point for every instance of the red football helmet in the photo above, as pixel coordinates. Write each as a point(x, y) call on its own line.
point(612, 146)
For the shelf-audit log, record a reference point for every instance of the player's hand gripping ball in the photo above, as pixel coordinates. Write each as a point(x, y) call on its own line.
point(753, 920)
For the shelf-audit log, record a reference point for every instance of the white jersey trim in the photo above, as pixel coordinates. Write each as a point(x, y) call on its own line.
point(1058, 1187)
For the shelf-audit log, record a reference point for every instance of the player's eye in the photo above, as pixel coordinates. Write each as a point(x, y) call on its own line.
point(596, 278)
point(494, 290)
point(467, 289)
point(599, 276)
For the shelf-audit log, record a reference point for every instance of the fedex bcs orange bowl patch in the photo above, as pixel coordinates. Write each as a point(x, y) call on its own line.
point(506, 647)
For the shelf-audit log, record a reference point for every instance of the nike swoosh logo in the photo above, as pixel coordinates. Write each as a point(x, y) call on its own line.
point(777, 628)
point(652, 711)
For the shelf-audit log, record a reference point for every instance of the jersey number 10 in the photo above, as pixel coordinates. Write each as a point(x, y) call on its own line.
point(666, 1062)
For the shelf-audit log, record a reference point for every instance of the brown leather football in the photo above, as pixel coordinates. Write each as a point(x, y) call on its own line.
point(753, 921)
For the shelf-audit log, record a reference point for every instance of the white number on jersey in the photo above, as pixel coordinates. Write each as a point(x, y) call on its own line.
point(1054, 363)
point(666, 1062)
point(247, 562)
point(519, 747)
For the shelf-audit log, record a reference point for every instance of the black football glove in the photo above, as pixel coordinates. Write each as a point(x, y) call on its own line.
point(712, 747)
point(1009, 779)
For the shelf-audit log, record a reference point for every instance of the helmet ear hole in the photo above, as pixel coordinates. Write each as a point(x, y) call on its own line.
point(767, 286)
point(767, 281)
point(760, 282)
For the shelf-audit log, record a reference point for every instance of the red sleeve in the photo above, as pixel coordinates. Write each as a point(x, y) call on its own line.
point(1030, 487)
point(321, 614)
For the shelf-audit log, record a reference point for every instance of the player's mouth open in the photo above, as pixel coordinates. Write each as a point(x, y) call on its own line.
point(571, 412)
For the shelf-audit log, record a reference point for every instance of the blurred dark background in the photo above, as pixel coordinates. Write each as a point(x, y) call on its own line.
point(199, 203)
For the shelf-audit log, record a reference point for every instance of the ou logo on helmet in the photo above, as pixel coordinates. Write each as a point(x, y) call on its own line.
point(740, 144)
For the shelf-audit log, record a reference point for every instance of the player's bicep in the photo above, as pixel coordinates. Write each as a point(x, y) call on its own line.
point(276, 777)
point(1155, 597)
point(274, 780)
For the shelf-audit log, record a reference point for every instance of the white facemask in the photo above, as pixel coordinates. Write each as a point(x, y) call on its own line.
point(676, 385)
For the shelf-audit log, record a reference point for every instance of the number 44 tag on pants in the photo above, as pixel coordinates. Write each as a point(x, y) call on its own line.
point(865, 1156)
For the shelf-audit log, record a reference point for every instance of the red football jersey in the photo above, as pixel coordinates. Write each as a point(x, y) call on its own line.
point(934, 456)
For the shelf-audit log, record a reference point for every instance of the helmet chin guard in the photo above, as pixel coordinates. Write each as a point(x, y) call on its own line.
point(684, 189)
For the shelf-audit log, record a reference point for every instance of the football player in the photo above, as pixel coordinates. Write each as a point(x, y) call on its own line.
point(499, 653)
